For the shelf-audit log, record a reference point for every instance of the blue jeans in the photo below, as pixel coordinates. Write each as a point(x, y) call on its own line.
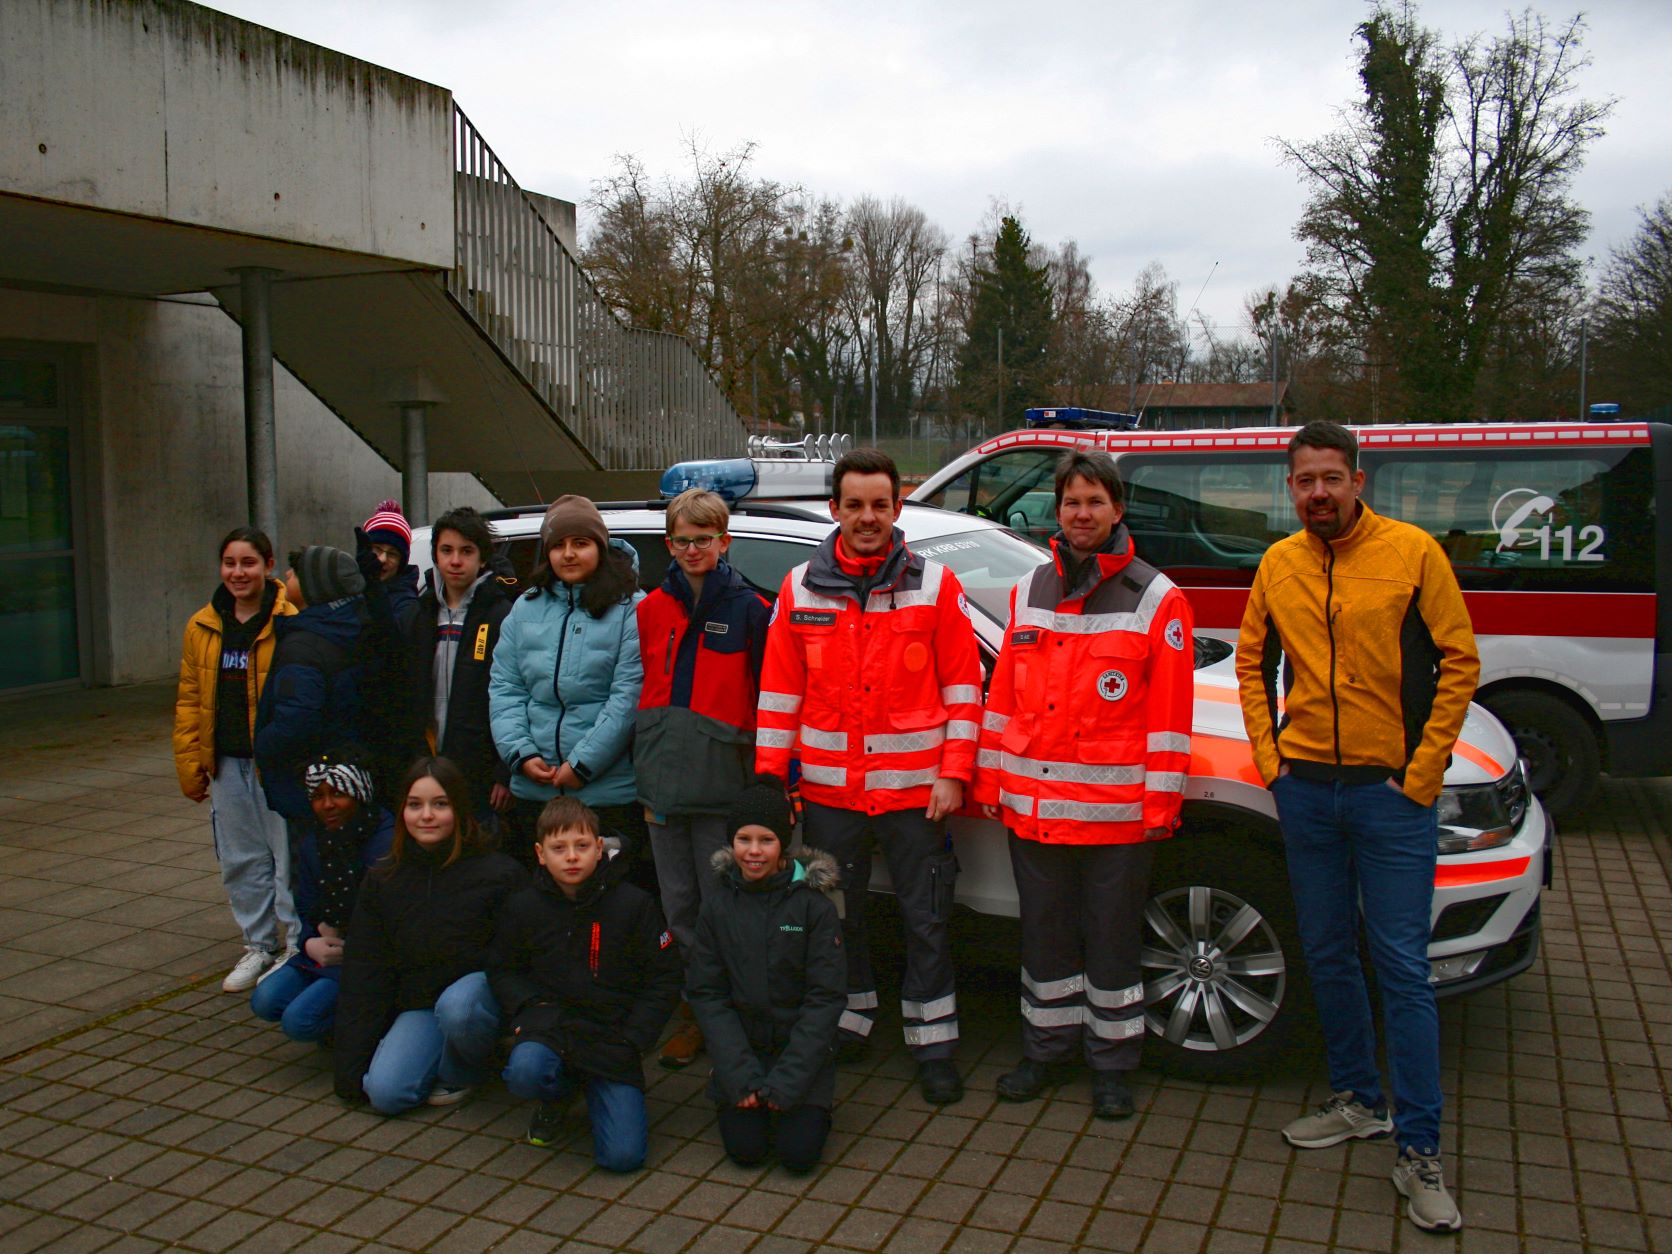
point(1366, 850)
point(620, 1128)
point(450, 1045)
point(303, 1003)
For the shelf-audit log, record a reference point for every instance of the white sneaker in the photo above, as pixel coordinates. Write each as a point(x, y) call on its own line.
point(248, 971)
point(279, 961)
point(1337, 1120)
point(1427, 1203)
point(444, 1095)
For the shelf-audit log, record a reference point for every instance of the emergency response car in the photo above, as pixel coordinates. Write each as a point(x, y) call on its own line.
point(1223, 972)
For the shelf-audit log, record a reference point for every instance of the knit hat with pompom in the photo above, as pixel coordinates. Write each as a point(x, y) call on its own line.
point(388, 525)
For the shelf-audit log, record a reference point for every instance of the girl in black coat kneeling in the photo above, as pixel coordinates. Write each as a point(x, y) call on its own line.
point(767, 981)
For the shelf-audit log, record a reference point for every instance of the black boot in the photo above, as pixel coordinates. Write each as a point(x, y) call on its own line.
point(1110, 1097)
point(940, 1081)
point(1024, 1083)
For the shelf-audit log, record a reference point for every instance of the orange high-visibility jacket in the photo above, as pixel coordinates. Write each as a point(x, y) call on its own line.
point(878, 700)
point(1086, 738)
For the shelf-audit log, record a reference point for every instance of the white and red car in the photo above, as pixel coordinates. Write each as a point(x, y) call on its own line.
point(1223, 969)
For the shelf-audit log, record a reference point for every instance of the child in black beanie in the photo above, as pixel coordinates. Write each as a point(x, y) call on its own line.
point(769, 1018)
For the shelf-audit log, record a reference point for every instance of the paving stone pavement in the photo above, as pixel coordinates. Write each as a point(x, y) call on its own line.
point(141, 1108)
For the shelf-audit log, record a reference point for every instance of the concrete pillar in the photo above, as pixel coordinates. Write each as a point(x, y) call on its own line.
point(415, 464)
point(261, 455)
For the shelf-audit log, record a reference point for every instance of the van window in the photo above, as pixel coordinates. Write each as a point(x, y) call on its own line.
point(1531, 521)
point(1016, 489)
point(1209, 520)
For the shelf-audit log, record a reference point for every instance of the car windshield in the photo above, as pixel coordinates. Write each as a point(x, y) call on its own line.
point(988, 562)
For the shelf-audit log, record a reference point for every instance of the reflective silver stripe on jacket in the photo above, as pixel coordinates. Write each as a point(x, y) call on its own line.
point(1088, 812)
point(882, 601)
point(830, 776)
point(1072, 772)
point(1053, 1016)
point(1016, 801)
point(939, 1008)
point(818, 738)
point(962, 729)
point(774, 738)
point(780, 702)
point(1137, 620)
point(906, 742)
point(1164, 781)
point(878, 780)
point(931, 1033)
point(961, 694)
point(993, 721)
point(805, 598)
point(1118, 999)
point(1053, 990)
point(1169, 742)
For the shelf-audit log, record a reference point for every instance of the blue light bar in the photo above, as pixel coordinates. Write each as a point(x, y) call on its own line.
point(1077, 416)
point(731, 478)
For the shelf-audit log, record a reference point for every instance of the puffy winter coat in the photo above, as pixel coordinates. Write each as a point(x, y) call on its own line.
point(468, 739)
point(593, 979)
point(311, 702)
point(694, 747)
point(880, 693)
point(564, 687)
point(309, 871)
point(1086, 737)
point(768, 981)
point(200, 673)
point(415, 930)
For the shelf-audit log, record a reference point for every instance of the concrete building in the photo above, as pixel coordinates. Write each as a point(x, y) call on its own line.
point(246, 278)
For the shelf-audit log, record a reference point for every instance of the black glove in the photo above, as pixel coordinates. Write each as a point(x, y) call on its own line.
point(366, 560)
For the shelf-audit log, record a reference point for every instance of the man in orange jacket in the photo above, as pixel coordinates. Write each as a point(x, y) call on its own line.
point(872, 673)
point(1084, 750)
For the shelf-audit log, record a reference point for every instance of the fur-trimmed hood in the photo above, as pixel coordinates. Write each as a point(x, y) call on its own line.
point(812, 867)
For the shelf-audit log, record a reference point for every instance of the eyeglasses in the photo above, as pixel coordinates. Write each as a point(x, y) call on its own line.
point(700, 543)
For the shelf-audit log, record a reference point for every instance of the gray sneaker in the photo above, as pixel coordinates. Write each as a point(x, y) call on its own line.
point(1427, 1204)
point(1337, 1120)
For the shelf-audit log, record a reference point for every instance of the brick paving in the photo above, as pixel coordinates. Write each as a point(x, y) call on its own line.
point(141, 1108)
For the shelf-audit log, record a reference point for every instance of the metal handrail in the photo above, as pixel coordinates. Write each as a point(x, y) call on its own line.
point(634, 399)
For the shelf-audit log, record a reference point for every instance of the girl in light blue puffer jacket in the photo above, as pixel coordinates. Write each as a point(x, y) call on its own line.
point(564, 688)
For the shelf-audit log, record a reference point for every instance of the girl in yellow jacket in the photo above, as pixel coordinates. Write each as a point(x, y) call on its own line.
point(223, 664)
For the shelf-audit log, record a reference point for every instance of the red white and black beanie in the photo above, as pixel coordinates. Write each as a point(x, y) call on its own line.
point(388, 525)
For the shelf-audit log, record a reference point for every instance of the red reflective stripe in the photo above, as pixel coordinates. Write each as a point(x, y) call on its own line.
point(1457, 875)
point(1485, 761)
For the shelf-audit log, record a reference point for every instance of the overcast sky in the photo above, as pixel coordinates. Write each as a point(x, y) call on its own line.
point(1142, 131)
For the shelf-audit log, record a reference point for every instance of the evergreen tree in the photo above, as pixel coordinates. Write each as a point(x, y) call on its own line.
point(1011, 295)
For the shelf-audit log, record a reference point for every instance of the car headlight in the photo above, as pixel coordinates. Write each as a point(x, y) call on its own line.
point(1482, 816)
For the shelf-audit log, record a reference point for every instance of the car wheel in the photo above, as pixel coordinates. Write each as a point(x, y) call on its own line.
point(1564, 764)
point(1222, 967)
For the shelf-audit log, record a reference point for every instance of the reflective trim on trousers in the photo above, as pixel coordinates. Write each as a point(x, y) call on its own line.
point(1164, 781)
point(1169, 742)
point(774, 738)
point(1116, 1029)
point(878, 780)
point(818, 738)
point(906, 742)
point(1088, 812)
point(1069, 772)
point(1116, 999)
point(939, 1008)
point(1053, 990)
point(931, 1033)
point(962, 729)
point(961, 694)
point(1053, 1016)
point(1016, 801)
point(858, 1025)
point(862, 1001)
point(993, 721)
point(830, 776)
point(779, 702)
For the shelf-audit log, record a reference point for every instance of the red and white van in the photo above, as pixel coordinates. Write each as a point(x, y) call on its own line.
point(1558, 533)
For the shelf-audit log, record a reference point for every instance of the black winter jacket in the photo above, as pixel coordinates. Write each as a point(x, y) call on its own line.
point(594, 979)
point(414, 932)
point(469, 739)
point(768, 981)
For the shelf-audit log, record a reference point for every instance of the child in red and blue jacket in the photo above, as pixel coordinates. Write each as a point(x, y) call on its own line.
point(702, 635)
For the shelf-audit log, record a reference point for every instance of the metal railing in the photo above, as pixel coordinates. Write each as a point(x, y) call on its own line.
point(635, 399)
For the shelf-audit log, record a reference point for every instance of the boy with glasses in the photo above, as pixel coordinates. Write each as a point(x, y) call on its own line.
point(702, 635)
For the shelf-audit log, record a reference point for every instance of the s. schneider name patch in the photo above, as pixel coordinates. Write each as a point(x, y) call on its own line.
point(813, 618)
point(718, 629)
point(1029, 635)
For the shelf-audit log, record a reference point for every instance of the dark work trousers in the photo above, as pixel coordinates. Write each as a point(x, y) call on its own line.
point(748, 1135)
point(923, 870)
point(1082, 936)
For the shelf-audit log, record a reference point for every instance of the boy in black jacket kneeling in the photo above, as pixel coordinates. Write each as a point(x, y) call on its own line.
point(768, 982)
point(587, 976)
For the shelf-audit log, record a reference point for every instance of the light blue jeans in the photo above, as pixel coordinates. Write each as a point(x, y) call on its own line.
point(450, 1045)
point(303, 1003)
point(253, 847)
point(1367, 850)
point(620, 1126)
